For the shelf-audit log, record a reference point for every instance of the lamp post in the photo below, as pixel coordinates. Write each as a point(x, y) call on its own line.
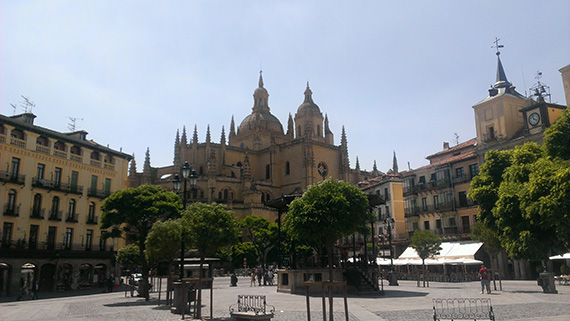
point(188, 174)
point(392, 277)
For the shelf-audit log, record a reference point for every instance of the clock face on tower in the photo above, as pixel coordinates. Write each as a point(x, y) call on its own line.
point(533, 119)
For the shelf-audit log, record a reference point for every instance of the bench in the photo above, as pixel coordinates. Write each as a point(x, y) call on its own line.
point(251, 307)
point(463, 309)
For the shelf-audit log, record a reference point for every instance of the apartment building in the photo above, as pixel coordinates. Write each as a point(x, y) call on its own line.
point(51, 188)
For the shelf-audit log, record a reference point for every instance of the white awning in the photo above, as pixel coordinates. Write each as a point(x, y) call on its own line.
point(565, 256)
point(450, 251)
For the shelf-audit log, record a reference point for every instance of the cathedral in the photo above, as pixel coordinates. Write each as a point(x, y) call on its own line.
point(258, 160)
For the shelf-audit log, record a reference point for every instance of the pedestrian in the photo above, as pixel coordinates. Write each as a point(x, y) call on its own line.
point(484, 277)
point(259, 276)
point(252, 283)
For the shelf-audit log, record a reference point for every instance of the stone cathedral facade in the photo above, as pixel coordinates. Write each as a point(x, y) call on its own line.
point(259, 159)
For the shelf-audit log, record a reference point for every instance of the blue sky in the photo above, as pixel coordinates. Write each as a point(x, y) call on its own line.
point(398, 75)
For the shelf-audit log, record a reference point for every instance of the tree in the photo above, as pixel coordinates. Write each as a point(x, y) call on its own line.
point(261, 233)
point(557, 137)
point(129, 256)
point(208, 227)
point(131, 213)
point(325, 213)
point(163, 242)
point(523, 195)
point(426, 244)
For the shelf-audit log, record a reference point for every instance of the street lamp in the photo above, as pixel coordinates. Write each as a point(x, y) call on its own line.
point(188, 174)
point(393, 279)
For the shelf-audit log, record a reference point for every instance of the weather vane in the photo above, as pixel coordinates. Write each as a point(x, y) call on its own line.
point(497, 46)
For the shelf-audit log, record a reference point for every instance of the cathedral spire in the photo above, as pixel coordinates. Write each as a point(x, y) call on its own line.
point(223, 137)
point(260, 79)
point(195, 137)
point(208, 138)
point(184, 140)
point(395, 164)
point(308, 95)
point(290, 127)
point(232, 128)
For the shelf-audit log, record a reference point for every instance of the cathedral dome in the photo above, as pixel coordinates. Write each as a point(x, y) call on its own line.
point(261, 117)
point(261, 120)
point(308, 107)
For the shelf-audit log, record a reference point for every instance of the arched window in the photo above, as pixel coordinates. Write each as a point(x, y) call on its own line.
point(319, 130)
point(201, 171)
point(95, 156)
point(54, 206)
point(91, 215)
point(11, 202)
point(71, 209)
point(225, 194)
point(267, 171)
point(42, 141)
point(75, 150)
point(239, 164)
point(16, 133)
point(59, 146)
point(37, 207)
point(220, 195)
point(287, 168)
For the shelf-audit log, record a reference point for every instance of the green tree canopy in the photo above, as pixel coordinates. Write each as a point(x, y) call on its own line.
point(131, 213)
point(129, 256)
point(163, 241)
point(209, 227)
point(325, 213)
point(426, 243)
point(523, 195)
point(261, 233)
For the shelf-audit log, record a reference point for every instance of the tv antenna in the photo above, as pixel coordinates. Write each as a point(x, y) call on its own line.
point(27, 104)
point(73, 121)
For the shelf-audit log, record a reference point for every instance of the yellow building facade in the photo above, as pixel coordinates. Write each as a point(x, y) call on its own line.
point(52, 186)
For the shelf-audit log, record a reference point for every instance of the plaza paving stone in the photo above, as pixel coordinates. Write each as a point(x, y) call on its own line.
point(519, 300)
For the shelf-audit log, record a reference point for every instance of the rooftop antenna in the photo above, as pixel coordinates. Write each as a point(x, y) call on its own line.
point(73, 121)
point(456, 138)
point(27, 104)
point(497, 46)
point(540, 90)
point(13, 107)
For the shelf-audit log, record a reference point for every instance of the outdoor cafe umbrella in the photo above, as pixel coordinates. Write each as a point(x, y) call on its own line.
point(565, 256)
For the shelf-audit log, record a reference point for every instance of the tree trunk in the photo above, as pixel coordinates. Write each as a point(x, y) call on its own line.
point(143, 288)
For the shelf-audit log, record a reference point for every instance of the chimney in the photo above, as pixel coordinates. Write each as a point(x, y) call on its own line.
point(445, 145)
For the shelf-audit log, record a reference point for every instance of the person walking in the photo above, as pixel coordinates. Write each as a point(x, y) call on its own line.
point(484, 277)
point(252, 283)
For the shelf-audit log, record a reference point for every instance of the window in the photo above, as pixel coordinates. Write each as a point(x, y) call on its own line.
point(59, 146)
point(7, 234)
point(37, 206)
point(319, 130)
point(386, 194)
point(490, 132)
point(463, 199)
point(267, 171)
point(424, 204)
point(88, 240)
point(57, 177)
point(452, 222)
point(91, 214)
point(433, 177)
point(459, 172)
point(42, 141)
point(76, 150)
point(473, 170)
point(426, 225)
point(40, 172)
point(68, 238)
point(287, 168)
point(102, 241)
point(422, 180)
point(74, 179)
point(15, 168)
point(11, 202)
point(33, 240)
point(436, 202)
point(54, 207)
point(16, 133)
point(387, 210)
point(52, 232)
point(465, 224)
point(93, 183)
point(438, 223)
point(107, 187)
point(95, 156)
point(71, 210)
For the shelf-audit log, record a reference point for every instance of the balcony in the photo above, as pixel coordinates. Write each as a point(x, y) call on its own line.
point(55, 216)
point(99, 193)
point(17, 142)
point(72, 218)
point(8, 177)
point(93, 220)
point(37, 213)
point(11, 211)
point(53, 250)
point(461, 179)
point(57, 185)
point(466, 203)
point(412, 211)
